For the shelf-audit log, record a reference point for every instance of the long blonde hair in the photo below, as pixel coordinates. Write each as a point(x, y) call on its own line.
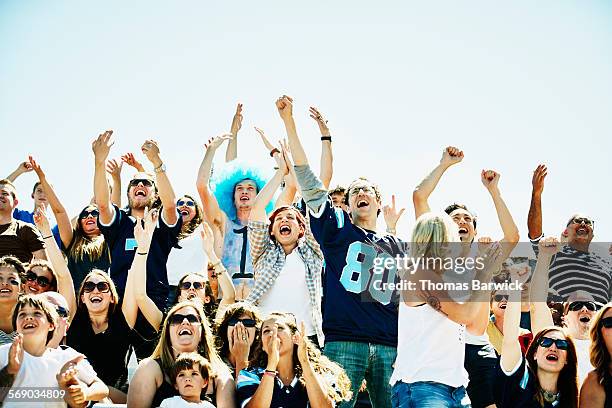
point(600, 358)
point(431, 234)
point(206, 347)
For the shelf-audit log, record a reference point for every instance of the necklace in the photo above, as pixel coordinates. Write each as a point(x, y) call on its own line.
point(549, 396)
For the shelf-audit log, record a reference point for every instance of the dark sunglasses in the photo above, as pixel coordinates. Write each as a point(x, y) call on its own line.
point(102, 287)
point(179, 318)
point(607, 322)
point(196, 285)
point(576, 306)
point(145, 182)
point(188, 203)
point(499, 298)
point(245, 322)
point(92, 213)
point(62, 311)
point(546, 342)
point(40, 280)
point(580, 220)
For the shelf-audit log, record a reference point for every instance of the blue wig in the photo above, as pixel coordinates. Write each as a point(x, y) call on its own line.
point(224, 181)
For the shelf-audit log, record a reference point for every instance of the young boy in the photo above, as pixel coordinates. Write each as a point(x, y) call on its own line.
point(190, 375)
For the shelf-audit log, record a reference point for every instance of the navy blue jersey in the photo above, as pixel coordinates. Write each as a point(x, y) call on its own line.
point(119, 237)
point(357, 306)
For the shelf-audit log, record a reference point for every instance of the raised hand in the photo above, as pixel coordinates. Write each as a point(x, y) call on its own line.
point(484, 243)
point(208, 240)
point(539, 174)
point(151, 150)
point(237, 120)
point(549, 246)
point(284, 104)
point(42, 222)
point(391, 213)
point(451, 155)
point(489, 179)
point(264, 139)
point(144, 234)
point(101, 146)
point(113, 167)
point(240, 346)
point(281, 160)
point(24, 167)
point(15, 357)
point(214, 142)
point(299, 338)
point(36, 167)
point(130, 160)
point(316, 115)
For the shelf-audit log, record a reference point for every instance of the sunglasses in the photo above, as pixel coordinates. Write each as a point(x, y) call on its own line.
point(102, 287)
point(62, 311)
point(546, 342)
point(607, 322)
point(499, 298)
point(177, 318)
point(86, 214)
point(188, 203)
point(245, 322)
point(40, 280)
point(576, 306)
point(196, 285)
point(145, 182)
point(580, 220)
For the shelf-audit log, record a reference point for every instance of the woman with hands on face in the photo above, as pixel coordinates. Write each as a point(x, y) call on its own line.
point(289, 371)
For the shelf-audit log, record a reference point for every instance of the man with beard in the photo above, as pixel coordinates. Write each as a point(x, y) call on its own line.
point(577, 316)
point(574, 267)
point(117, 225)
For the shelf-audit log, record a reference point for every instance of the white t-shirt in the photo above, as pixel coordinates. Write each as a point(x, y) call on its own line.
point(188, 259)
point(179, 402)
point(431, 347)
point(289, 293)
point(38, 374)
point(583, 353)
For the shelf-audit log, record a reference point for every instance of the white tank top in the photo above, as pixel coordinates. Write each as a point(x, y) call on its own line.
point(431, 347)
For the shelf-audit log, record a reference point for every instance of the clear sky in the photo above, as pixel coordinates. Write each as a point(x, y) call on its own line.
point(513, 84)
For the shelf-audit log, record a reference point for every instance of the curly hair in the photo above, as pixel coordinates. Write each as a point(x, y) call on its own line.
point(600, 358)
point(224, 183)
point(568, 377)
point(188, 228)
point(235, 311)
point(321, 365)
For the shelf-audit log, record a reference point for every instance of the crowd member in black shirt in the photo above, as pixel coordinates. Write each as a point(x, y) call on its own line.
point(596, 391)
point(101, 329)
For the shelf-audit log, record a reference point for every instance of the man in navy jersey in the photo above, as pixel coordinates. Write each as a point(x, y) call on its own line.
point(359, 319)
point(117, 225)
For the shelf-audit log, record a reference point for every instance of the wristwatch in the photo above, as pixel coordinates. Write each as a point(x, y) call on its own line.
point(160, 169)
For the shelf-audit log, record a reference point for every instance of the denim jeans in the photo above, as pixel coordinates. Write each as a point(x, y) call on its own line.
point(428, 395)
point(374, 362)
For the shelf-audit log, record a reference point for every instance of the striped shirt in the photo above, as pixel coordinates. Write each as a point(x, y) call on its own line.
point(572, 270)
point(269, 259)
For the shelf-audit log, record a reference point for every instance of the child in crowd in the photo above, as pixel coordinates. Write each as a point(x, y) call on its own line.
point(190, 375)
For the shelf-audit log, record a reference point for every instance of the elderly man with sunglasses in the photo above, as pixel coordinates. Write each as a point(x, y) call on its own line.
point(117, 225)
point(576, 267)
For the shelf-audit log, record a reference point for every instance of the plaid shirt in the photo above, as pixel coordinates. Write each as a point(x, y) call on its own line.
point(269, 259)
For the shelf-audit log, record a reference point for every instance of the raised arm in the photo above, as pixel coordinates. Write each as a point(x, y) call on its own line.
point(284, 104)
point(10, 370)
point(258, 210)
point(511, 348)
point(131, 161)
point(113, 167)
point(137, 276)
point(421, 193)
point(327, 157)
point(61, 217)
point(232, 147)
point(101, 147)
point(24, 167)
point(65, 286)
point(538, 290)
point(212, 212)
point(534, 219)
point(392, 216)
point(223, 276)
point(490, 180)
point(288, 193)
point(317, 394)
point(164, 187)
